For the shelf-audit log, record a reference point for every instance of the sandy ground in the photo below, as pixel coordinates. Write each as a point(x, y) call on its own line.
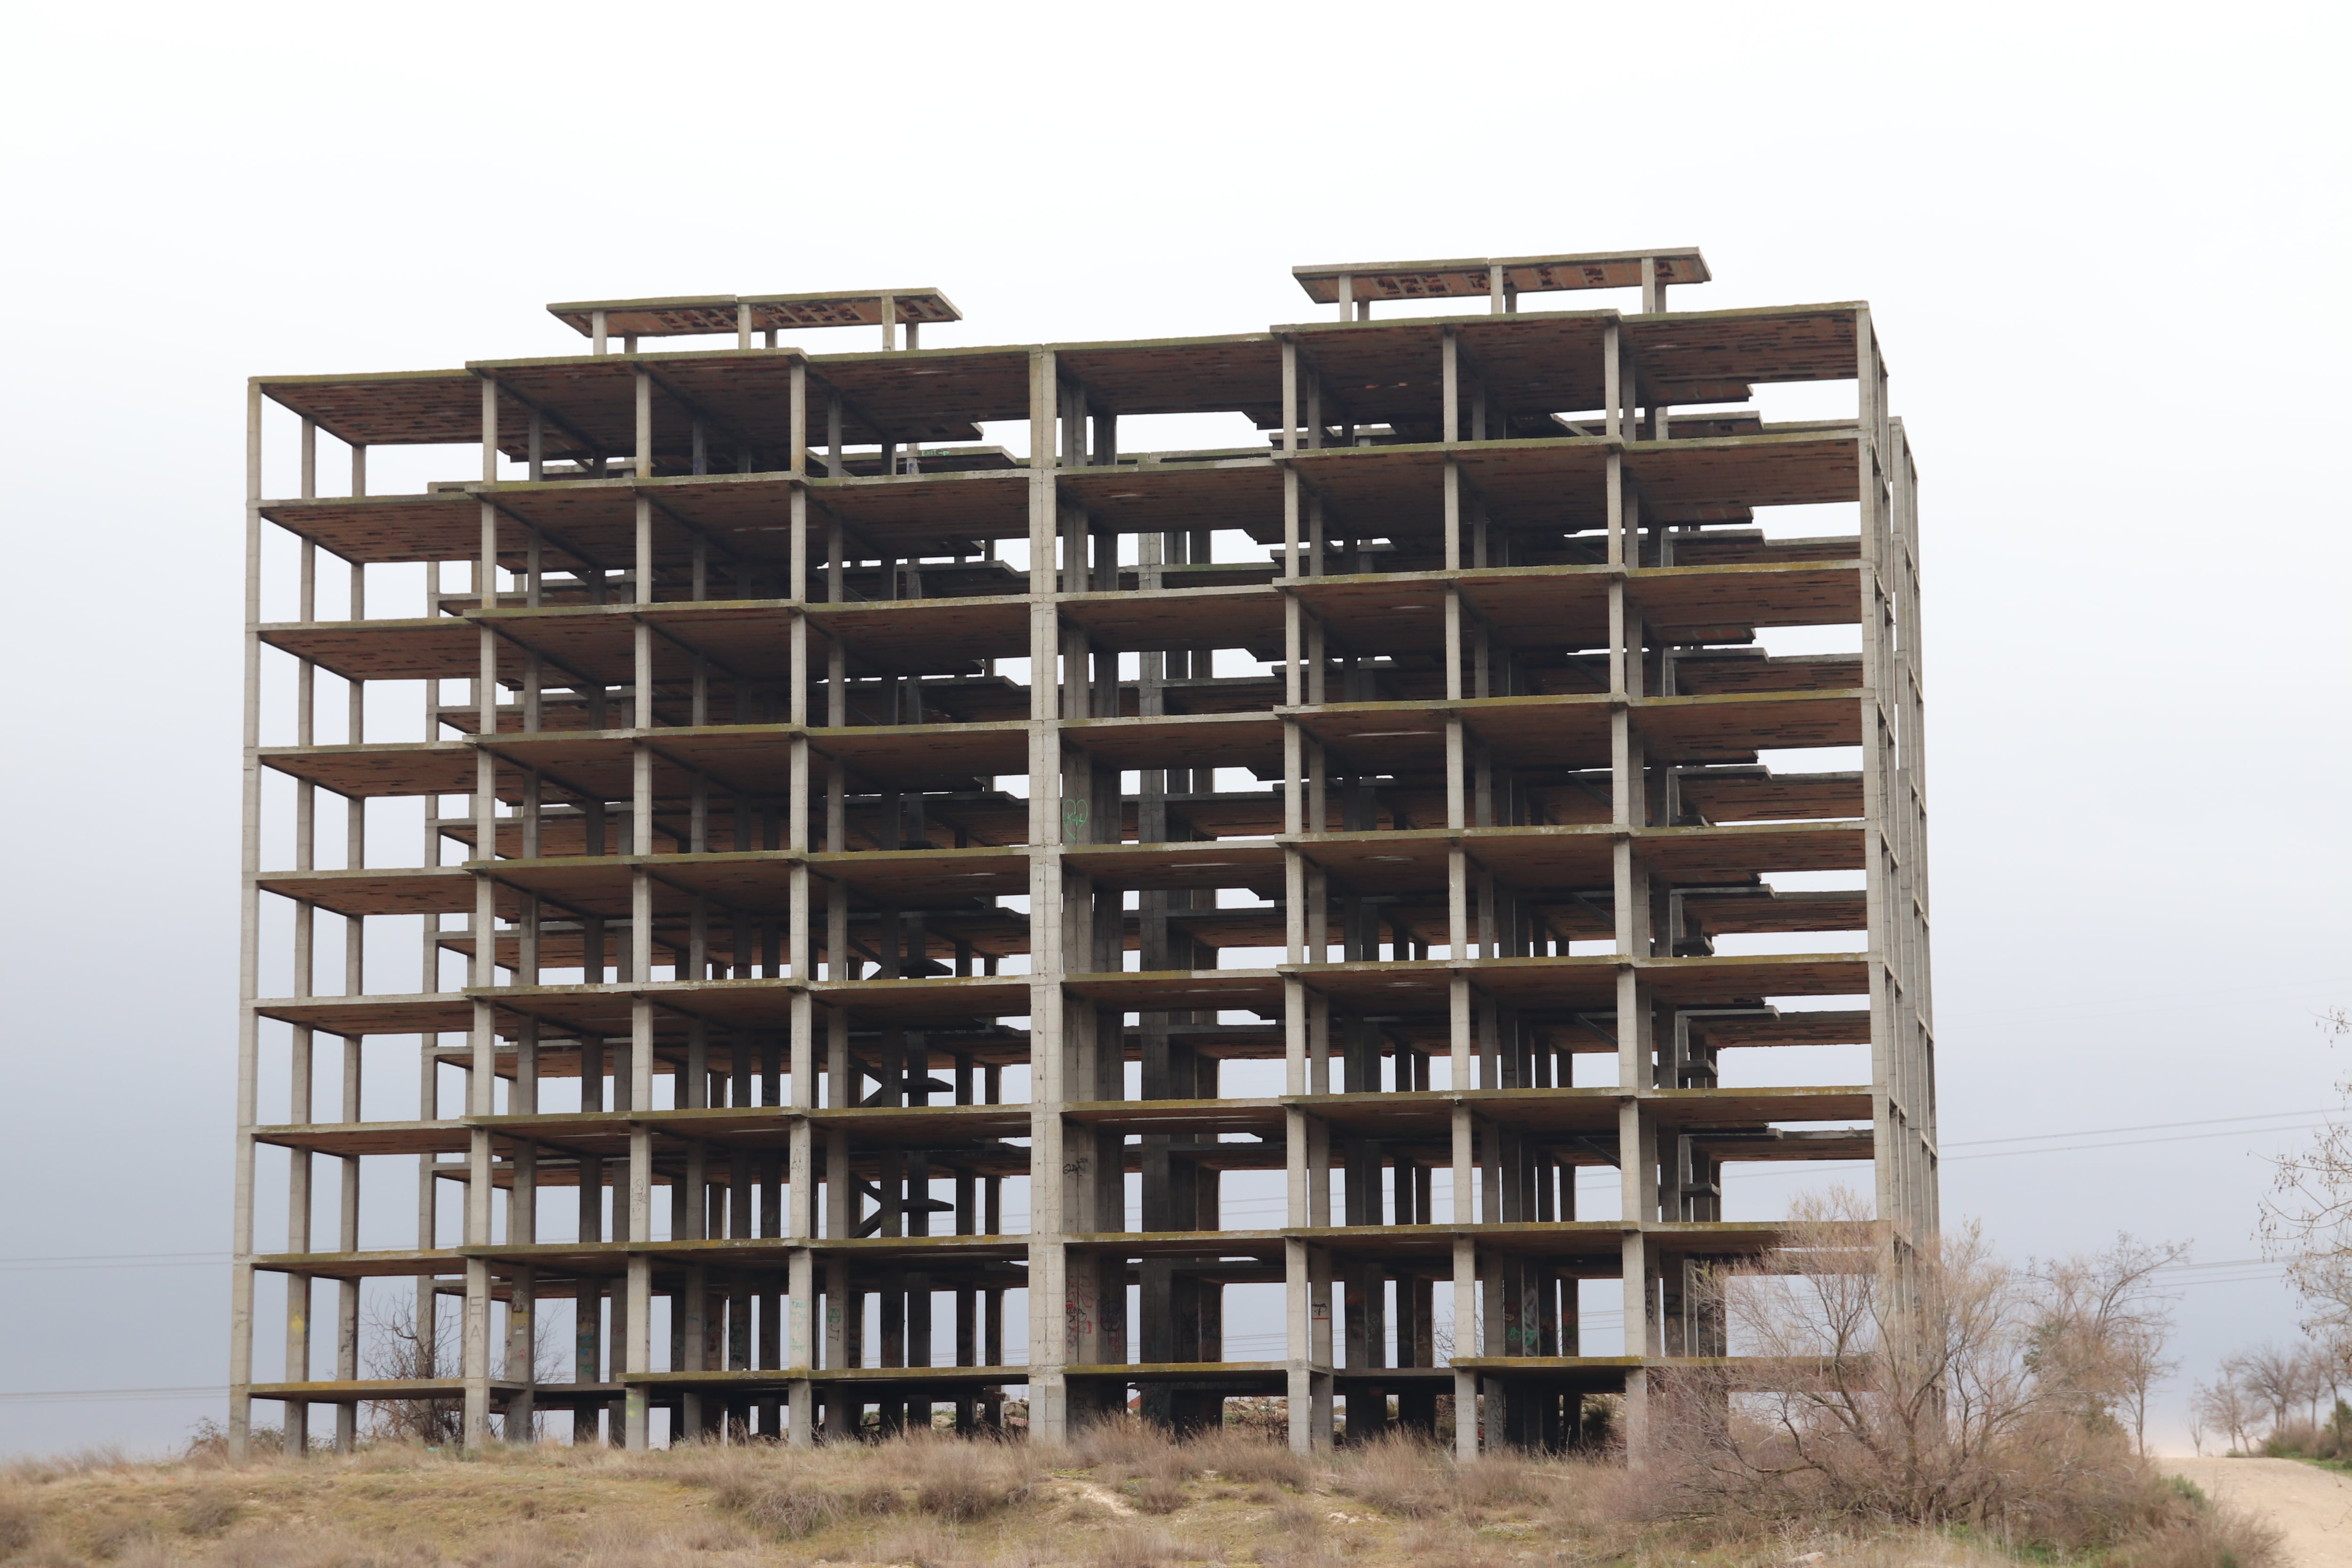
point(2313, 1507)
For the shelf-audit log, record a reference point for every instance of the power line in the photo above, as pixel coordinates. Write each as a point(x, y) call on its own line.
point(2148, 1127)
point(42, 1396)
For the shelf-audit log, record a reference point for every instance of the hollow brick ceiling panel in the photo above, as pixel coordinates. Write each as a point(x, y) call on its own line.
point(447, 890)
point(1542, 606)
point(1171, 867)
point(1203, 741)
point(921, 514)
point(1244, 493)
point(1542, 732)
point(1381, 373)
point(1249, 617)
point(918, 635)
point(1546, 361)
point(922, 875)
point(1808, 1027)
point(1550, 485)
point(1377, 614)
point(377, 1014)
point(1743, 795)
point(909, 394)
point(1681, 599)
point(398, 408)
point(1206, 375)
point(926, 1001)
point(1776, 344)
point(1749, 470)
point(1725, 854)
point(378, 529)
point(1699, 729)
point(1689, 982)
point(1779, 912)
point(927, 756)
point(375, 772)
point(390, 650)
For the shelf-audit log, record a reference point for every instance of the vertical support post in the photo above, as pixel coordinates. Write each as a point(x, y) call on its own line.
point(248, 1036)
point(1049, 1292)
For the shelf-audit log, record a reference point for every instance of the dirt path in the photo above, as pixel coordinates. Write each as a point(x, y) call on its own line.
point(2313, 1507)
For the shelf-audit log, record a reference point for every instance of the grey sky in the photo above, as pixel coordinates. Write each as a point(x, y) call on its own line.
point(2104, 246)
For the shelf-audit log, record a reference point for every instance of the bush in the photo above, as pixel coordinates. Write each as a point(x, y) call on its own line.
point(959, 1481)
point(1240, 1454)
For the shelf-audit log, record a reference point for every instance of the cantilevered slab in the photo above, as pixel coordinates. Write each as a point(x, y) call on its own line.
point(916, 1001)
point(921, 636)
point(1199, 990)
point(1695, 602)
point(1764, 909)
point(372, 529)
point(1240, 374)
point(1755, 793)
point(926, 756)
point(354, 1017)
point(390, 408)
point(1248, 615)
point(1190, 740)
point(696, 315)
point(912, 394)
point(1473, 277)
point(1169, 496)
point(916, 877)
point(1223, 863)
point(1734, 727)
point(426, 890)
point(859, 308)
point(1783, 1027)
point(1761, 345)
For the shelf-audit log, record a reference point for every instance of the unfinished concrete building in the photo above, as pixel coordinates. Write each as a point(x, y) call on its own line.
point(922, 903)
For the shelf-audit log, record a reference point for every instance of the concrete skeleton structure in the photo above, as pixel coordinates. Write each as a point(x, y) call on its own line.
point(873, 888)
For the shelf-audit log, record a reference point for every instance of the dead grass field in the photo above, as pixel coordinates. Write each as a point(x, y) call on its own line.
point(1122, 1500)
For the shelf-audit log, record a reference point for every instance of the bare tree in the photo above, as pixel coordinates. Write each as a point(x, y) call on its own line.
point(1903, 1389)
point(2223, 1405)
point(2273, 1377)
point(2307, 1214)
point(2104, 1321)
point(2325, 1282)
point(397, 1352)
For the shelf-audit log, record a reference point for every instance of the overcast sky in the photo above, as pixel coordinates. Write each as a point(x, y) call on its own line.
point(2103, 248)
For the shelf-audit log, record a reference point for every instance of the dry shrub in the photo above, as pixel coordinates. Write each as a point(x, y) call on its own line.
point(32, 1471)
point(795, 1492)
point(206, 1512)
point(1504, 1480)
point(926, 1543)
point(1243, 1455)
point(2209, 1537)
point(1929, 1386)
point(1452, 1544)
point(18, 1523)
point(1148, 1468)
point(962, 1480)
point(1297, 1518)
point(1136, 1546)
point(781, 1509)
point(1409, 1479)
point(1399, 1476)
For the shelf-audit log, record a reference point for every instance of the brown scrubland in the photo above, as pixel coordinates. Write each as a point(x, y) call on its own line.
point(1895, 1406)
point(1123, 1498)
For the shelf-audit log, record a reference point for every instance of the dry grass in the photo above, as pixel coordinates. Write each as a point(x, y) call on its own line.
point(1120, 1498)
